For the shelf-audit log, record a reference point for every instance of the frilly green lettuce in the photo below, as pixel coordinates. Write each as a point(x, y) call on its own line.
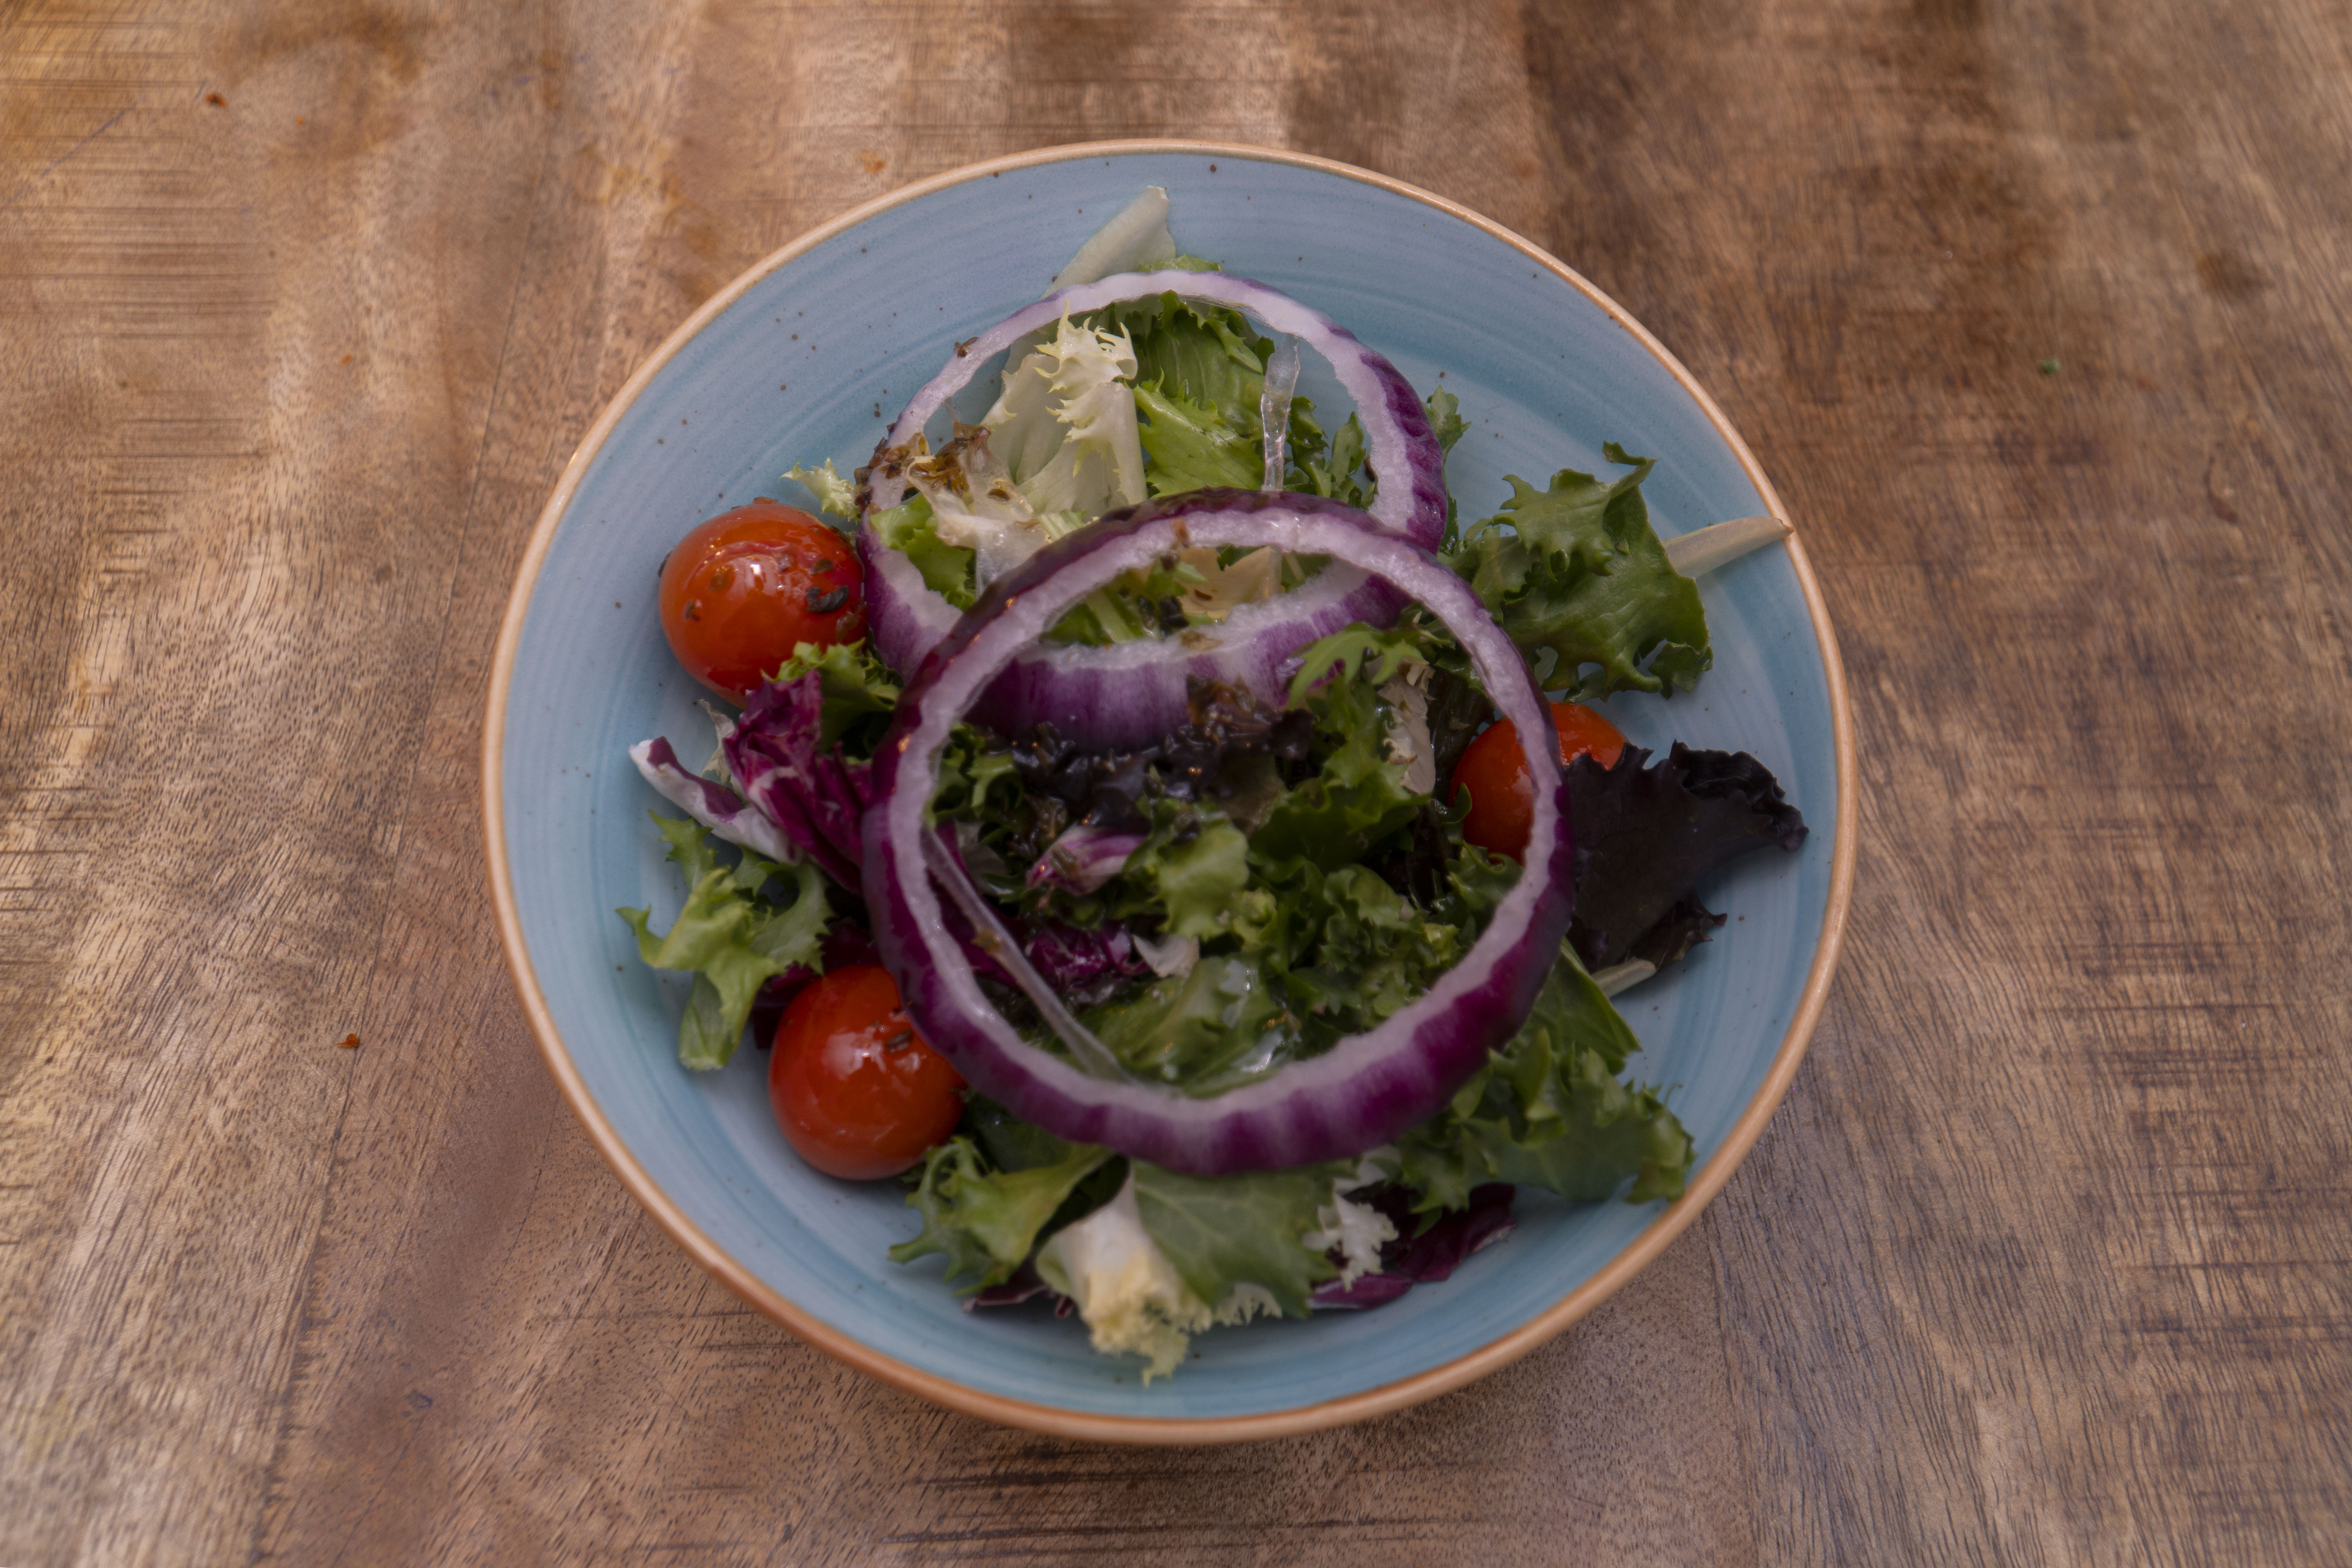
point(987, 1222)
point(1577, 576)
point(834, 494)
point(1065, 423)
point(731, 936)
point(1548, 1111)
point(1353, 1230)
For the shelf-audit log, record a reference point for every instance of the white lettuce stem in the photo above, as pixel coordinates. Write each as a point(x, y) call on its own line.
point(1708, 547)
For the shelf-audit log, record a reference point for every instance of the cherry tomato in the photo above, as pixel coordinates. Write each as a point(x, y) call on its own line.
point(741, 590)
point(1502, 801)
point(857, 1092)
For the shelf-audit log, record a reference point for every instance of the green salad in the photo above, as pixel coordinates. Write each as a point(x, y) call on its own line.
point(1168, 886)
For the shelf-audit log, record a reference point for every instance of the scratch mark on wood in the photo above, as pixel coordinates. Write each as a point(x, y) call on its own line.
point(68, 156)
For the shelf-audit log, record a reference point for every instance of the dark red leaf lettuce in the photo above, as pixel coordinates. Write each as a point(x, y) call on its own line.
point(1644, 836)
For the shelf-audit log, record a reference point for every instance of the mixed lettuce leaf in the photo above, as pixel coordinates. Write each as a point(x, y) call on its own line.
point(986, 1221)
point(1206, 1029)
point(1576, 575)
point(1154, 396)
point(1252, 865)
point(856, 693)
point(1150, 1256)
point(1240, 896)
point(1191, 447)
point(1065, 424)
point(1225, 1235)
point(1547, 1112)
point(732, 936)
point(910, 529)
point(1200, 369)
point(1418, 1249)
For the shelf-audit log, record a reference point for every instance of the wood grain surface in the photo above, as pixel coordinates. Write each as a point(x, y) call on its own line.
point(2046, 1258)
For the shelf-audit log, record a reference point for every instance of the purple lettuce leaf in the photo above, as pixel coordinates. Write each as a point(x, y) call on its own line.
point(714, 806)
point(777, 752)
point(1675, 932)
point(1445, 1246)
point(1083, 858)
point(1085, 966)
point(1431, 1256)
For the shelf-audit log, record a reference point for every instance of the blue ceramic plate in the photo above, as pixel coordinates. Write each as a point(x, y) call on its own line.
point(808, 357)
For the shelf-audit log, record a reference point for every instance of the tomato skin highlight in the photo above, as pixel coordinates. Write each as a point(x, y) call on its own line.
point(742, 589)
point(857, 1092)
point(1502, 801)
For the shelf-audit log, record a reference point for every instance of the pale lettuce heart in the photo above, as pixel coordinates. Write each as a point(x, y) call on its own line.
point(1129, 1294)
point(1065, 423)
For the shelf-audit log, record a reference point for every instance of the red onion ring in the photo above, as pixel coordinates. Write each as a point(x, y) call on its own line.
point(1365, 1090)
point(1116, 698)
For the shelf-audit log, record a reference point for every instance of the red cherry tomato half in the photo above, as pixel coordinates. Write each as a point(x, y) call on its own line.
point(857, 1092)
point(741, 590)
point(1502, 801)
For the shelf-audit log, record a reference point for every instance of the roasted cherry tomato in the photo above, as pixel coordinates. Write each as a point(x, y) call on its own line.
point(1502, 803)
point(741, 591)
point(857, 1092)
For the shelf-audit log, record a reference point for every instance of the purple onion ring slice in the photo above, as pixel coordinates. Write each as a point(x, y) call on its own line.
point(1370, 1087)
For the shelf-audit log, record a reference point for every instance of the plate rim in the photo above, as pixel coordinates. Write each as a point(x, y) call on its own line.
point(1055, 1420)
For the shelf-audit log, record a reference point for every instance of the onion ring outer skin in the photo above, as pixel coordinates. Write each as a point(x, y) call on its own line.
point(1076, 688)
point(1364, 1091)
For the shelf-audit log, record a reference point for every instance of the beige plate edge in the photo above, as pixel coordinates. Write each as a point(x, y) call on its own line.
point(1671, 1221)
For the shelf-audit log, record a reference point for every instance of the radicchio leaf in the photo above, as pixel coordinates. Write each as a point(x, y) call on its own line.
point(777, 752)
point(1085, 966)
point(1083, 858)
point(714, 806)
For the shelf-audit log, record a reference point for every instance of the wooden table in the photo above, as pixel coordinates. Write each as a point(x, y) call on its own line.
point(2037, 313)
